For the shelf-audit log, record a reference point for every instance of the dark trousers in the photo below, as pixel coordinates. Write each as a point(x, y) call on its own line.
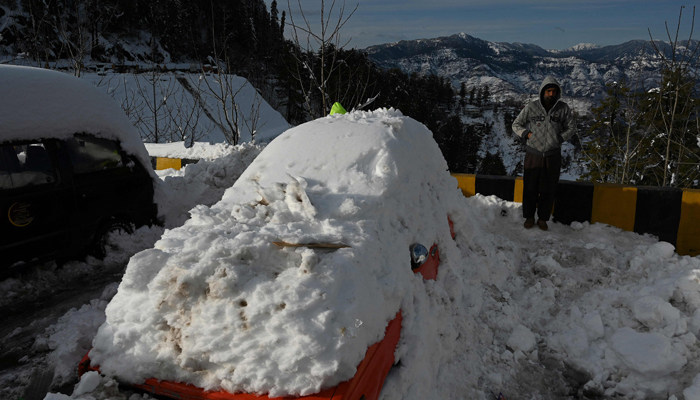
point(540, 179)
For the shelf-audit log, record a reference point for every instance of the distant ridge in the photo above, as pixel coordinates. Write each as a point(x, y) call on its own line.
point(517, 69)
point(583, 46)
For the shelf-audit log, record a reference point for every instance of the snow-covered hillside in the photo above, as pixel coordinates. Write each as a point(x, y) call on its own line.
point(181, 105)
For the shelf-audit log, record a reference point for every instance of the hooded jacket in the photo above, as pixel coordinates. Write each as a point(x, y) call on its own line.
point(549, 128)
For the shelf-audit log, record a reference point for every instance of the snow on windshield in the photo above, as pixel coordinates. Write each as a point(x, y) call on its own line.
point(218, 305)
point(37, 104)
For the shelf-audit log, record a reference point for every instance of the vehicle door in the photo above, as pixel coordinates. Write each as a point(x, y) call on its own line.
point(36, 203)
point(107, 183)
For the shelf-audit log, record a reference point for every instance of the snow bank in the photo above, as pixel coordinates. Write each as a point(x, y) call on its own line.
point(216, 304)
point(645, 343)
point(202, 183)
point(198, 151)
point(37, 103)
point(614, 312)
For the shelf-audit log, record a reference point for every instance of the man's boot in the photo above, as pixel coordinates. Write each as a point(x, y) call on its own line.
point(529, 223)
point(542, 224)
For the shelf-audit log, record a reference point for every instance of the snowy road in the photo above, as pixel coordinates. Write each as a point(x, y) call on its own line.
point(41, 299)
point(23, 319)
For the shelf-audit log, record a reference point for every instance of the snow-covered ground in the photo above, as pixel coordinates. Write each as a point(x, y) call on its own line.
point(580, 311)
point(583, 308)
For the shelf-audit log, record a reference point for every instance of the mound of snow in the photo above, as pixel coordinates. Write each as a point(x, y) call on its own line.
point(202, 183)
point(218, 305)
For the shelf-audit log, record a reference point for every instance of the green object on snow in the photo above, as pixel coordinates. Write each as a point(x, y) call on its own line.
point(337, 109)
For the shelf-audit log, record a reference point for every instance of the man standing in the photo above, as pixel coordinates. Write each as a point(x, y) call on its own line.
point(545, 124)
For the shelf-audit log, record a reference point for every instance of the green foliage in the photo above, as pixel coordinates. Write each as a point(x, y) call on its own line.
point(242, 31)
point(647, 138)
point(492, 164)
point(671, 153)
point(650, 138)
point(610, 149)
point(427, 99)
point(485, 95)
point(460, 146)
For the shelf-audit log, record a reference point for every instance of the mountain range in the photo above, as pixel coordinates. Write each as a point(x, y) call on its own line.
point(515, 70)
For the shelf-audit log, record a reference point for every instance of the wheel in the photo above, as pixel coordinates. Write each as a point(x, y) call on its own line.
point(104, 242)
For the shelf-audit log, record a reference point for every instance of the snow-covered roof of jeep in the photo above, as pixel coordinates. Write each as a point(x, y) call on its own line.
point(37, 103)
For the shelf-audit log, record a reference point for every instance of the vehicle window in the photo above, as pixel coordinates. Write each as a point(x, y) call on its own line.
point(89, 154)
point(25, 165)
point(5, 180)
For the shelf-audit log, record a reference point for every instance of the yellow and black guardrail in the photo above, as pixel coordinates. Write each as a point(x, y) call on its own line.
point(671, 214)
point(159, 163)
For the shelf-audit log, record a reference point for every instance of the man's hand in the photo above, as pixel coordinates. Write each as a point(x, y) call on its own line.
point(529, 134)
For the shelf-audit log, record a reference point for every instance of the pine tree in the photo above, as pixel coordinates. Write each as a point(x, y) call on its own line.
point(471, 145)
point(485, 95)
point(671, 154)
point(282, 22)
point(274, 15)
point(611, 147)
point(492, 164)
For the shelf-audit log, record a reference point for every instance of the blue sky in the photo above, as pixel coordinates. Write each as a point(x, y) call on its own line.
point(550, 24)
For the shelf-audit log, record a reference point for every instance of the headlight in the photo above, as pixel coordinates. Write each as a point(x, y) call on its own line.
point(419, 254)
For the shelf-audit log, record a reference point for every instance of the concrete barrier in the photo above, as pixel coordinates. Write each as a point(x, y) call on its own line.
point(671, 214)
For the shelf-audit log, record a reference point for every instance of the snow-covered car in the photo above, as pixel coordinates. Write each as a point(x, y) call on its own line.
point(303, 279)
point(72, 168)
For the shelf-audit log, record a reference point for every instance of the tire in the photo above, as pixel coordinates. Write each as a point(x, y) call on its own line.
point(101, 245)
